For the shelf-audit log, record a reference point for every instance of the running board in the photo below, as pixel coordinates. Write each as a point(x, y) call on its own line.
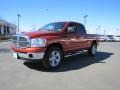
point(73, 54)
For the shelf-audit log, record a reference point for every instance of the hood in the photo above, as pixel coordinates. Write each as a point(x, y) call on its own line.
point(41, 33)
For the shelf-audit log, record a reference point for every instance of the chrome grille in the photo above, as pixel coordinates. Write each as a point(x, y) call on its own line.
point(20, 41)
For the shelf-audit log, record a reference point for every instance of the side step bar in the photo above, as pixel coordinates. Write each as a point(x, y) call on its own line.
point(73, 54)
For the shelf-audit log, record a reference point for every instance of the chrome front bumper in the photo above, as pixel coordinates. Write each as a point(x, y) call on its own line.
point(33, 56)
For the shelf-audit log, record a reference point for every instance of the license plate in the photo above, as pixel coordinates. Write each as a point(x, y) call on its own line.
point(15, 55)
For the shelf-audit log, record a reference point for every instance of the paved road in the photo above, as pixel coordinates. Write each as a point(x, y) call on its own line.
point(76, 73)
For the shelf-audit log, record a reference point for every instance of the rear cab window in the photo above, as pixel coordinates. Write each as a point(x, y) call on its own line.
point(81, 29)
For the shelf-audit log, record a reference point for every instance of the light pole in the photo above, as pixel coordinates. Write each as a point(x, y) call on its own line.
point(85, 19)
point(99, 27)
point(96, 30)
point(18, 21)
point(104, 32)
point(117, 31)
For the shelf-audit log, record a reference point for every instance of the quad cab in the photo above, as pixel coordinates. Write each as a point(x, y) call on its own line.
point(52, 42)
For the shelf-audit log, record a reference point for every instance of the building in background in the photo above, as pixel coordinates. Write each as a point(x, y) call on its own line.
point(7, 29)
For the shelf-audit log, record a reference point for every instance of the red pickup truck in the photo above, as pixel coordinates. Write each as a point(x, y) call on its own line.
point(53, 42)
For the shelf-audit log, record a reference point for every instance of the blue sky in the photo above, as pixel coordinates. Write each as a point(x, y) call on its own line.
point(35, 13)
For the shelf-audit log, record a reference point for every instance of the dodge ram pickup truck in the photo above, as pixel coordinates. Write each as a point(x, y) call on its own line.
point(53, 42)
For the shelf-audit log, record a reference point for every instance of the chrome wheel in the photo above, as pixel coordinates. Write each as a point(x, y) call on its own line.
point(94, 48)
point(54, 58)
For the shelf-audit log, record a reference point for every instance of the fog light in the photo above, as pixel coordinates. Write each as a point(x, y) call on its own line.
point(30, 55)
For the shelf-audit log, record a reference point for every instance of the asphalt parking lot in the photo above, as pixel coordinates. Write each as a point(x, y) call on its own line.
point(79, 72)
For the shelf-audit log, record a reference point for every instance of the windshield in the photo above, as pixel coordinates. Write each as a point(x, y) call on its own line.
point(53, 26)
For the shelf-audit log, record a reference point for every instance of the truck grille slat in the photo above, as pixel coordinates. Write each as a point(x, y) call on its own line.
point(20, 41)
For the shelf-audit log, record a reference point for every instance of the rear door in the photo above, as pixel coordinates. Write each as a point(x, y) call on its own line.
point(72, 40)
point(81, 37)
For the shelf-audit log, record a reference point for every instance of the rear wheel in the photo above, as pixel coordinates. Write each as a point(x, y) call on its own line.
point(92, 50)
point(52, 58)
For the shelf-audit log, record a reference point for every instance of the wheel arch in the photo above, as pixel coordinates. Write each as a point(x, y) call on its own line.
point(94, 42)
point(59, 45)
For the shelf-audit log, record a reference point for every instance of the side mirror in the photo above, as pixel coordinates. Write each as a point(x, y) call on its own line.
point(71, 30)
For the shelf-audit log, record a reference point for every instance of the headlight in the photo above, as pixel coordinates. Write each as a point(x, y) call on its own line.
point(38, 42)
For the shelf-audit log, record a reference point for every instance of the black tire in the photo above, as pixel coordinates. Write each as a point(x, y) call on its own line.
point(92, 52)
point(47, 63)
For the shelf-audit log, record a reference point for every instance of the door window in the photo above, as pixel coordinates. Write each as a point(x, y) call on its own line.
point(81, 29)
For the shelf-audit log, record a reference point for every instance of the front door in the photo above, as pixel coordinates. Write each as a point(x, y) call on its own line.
point(82, 36)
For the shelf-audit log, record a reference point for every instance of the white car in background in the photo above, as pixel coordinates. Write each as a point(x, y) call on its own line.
point(110, 38)
point(102, 38)
point(117, 38)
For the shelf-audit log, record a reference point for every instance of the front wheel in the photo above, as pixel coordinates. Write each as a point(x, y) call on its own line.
point(92, 50)
point(52, 58)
